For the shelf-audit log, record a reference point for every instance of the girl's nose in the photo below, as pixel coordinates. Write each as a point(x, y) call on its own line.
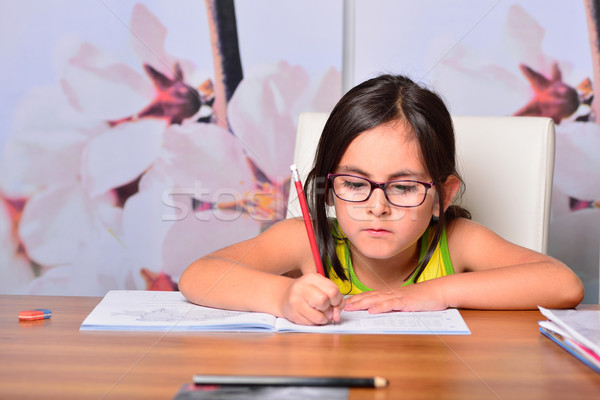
point(378, 204)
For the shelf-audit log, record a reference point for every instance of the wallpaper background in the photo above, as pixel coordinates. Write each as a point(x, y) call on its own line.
point(137, 136)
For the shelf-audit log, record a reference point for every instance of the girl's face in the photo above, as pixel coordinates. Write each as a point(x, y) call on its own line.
point(376, 228)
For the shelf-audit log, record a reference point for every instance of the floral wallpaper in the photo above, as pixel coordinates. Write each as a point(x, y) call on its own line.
point(131, 160)
point(137, 136)
point(516, 57)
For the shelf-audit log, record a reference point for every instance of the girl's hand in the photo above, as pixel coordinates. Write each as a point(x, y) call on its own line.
point(312, 300)
point(417, 297)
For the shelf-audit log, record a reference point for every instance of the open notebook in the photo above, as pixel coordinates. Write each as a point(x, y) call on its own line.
point(140, 310)
point(577, 331)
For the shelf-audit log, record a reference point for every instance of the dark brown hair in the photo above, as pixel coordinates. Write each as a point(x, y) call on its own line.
point(372, 103)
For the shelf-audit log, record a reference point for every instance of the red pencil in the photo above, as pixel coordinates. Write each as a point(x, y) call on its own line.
point(307, 221)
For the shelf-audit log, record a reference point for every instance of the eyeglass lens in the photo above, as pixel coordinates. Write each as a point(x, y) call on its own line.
point(401, 193)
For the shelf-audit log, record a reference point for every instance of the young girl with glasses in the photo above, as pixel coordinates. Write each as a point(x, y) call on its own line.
point(386, 164)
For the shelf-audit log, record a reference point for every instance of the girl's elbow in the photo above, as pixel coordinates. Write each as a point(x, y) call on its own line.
point(571, 293)
point(577, 293)
point(569, 289)
point(185, 284)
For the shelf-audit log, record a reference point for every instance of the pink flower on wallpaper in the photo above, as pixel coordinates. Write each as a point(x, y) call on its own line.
point(501, 87)
point(199, 161)
point(262, 114)
point(476, 83)
point(126, 176)
point(502, 82)
point(43, 161)
point(70, 163)
point(266, 105)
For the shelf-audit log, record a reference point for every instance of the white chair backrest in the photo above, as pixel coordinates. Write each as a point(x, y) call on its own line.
point(507, 164)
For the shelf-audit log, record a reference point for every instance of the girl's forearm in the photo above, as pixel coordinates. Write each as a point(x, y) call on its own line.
point(548, 284)
point(222, 283)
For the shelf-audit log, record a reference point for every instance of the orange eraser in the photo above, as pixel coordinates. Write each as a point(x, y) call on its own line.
point(38, 313)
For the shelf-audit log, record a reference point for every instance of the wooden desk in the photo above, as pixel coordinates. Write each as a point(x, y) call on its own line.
point(505, 357)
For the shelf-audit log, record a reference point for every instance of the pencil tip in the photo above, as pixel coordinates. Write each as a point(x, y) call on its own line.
point(293, 167)
point(380, 382)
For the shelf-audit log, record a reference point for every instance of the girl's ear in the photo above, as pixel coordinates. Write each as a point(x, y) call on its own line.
point(451, 188)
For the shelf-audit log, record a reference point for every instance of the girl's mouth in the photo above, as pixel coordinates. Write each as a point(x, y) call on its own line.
point(376, 231)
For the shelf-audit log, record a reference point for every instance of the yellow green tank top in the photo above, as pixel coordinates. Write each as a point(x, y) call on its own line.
point(439, 264)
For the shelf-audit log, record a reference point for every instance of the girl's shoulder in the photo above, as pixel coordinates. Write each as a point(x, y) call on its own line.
point(284, 233)
point(473, 246)
point(463, 228)
point(287, 238)
point(290, 228)
point(280, 249)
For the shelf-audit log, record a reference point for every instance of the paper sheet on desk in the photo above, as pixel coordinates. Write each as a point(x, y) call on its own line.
point(582, 325)
point(417, 323)
point(141, 310)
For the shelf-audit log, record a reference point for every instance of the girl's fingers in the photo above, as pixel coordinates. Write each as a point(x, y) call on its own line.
point(318, 300)
point(337, 312)
point(376, 303)
point(315, 316)
point(360, 303)
point(324, 294)
point(315, 300)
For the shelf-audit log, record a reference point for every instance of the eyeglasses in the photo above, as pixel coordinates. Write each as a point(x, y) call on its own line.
point(401, 193)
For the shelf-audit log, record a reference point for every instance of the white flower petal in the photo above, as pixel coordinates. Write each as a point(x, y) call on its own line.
point(199, 160)
point(55, 223)
point(16, 272)
point(121, 154)
point(322, 94)
point(146, 221)
point(28, 167)
point(260, 114)
point(202, 233)
point(464, 73)
point(101, 264)
point(45, 145)
point(148, 40)
point(524, 38)
point(54, 282)
point(206, 155)
point(104, 89)
point(47, 109)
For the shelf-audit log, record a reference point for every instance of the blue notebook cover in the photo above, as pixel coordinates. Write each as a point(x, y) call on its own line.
point(558, 339)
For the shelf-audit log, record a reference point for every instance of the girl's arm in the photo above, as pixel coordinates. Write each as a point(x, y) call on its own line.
point(502, 275)
point(490, 273)
point(248, 277)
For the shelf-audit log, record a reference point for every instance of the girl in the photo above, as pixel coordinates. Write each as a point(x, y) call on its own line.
point(386, 164)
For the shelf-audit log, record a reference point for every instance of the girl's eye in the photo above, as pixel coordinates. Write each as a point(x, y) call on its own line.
point(354, 185)
point(402, 188)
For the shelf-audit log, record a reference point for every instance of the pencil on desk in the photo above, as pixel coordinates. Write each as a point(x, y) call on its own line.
point(236, 380)
point(307, 221)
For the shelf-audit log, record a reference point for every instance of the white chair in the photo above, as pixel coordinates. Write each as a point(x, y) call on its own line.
point(507, 164)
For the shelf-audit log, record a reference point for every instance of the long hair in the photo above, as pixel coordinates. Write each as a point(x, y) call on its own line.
point(372, 103)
